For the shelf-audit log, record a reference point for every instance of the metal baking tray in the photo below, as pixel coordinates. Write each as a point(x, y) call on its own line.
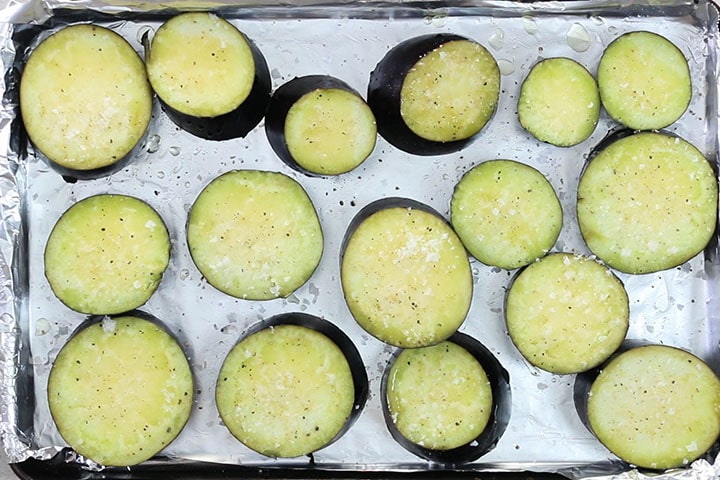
point(545, 437)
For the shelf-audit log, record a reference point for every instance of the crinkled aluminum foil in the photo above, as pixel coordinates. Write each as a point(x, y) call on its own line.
point(346, 39)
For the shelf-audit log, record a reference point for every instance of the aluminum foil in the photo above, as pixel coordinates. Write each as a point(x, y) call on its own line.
point(679, 307)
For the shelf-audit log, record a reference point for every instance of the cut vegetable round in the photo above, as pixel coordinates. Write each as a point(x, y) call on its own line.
point(85, 100)
point(107, 254)
point(655, 407)
point(559, 102)
point(255, 234)
point(320, 125)
point(405, 274)
point(506, 213)
point(567, 313)
point(291, 387)
point(644, 81)
point(217, 86)
point(120, 390)
point(647, 202)
point(432, 94)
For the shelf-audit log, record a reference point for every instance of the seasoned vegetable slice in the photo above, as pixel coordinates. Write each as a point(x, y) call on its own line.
point(656, 407)
point(320, 125)
point(287, 390)
point(405, 274)
point(559, 102)
point(217, 86)
point(647, 202)
point(506, 213)
point(255, 234)
point(85, 100)
point(644, 81)
point(107, 254)
point(120, 390)
point(432, 94)
point(566, 313)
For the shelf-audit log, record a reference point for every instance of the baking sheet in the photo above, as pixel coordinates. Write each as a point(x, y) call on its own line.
point(679, 307)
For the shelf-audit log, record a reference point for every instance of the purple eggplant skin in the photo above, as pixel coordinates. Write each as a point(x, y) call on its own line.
point(239, 122)
point(283, 99)
point(499, 417)
point(383, 96)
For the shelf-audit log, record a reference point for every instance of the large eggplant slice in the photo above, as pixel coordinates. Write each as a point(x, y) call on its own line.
point(644, 81)
point(433, 93)
point(255, 234)
point(566, 313)
point(405, 274)
point(647, 202)
point(559, 102)
point(107, 254)
point(506, 213)
point(293, 385)
point(654, 406)
point(120, 389)
point(447, 403)
point(212, 81)
point(85, 100)
point(319, 125)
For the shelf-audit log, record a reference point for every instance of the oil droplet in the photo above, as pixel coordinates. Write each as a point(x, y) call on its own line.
point(506, 67)
point(530, 25)
point(597, 20)
point(497, 39)
point(184, 274)
point(161, 174)
point(42, 326)
point(578, 38)
point(174, 151)
point(438, 20)
point(153, 143)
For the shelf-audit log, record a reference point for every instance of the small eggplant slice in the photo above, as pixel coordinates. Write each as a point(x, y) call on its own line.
point(506, 213)
point(291, 386)
point(255, 234)
point(405, 274)
point(319, 125)
point(121, 389)
point(107, 254)
point(85, 100)
point(654, 406)
point(212, 81)
point(559, 102)
point(647, 202)
point(448, 403)
point(566, 313)
point(644, 81)
point(432, 94)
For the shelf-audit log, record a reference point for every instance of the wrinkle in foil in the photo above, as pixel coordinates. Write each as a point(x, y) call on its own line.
point(171, 167)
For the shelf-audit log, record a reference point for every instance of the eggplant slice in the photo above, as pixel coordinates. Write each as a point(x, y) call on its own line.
point(121, 389)
point(647, 202)
point(319, 125)
point(432, 94)
point(255, 234)
point(291, 386)
point(217, 84)
point(85, 100)
point(107, 254)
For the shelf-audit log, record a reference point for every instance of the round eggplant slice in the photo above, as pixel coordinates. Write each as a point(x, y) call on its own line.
point(448, 403)
point(559, 102)
point(320, 125)
point(255, 234)
point(644, 81)
point(506, 213)
point(654, 406)
point(292, 386)
point(217, 86)
point(567, 313)
point(431, 94)
point(405, 274)
point(107, 254)
point(85, 100)
point(120, 390)
point(647, 202)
